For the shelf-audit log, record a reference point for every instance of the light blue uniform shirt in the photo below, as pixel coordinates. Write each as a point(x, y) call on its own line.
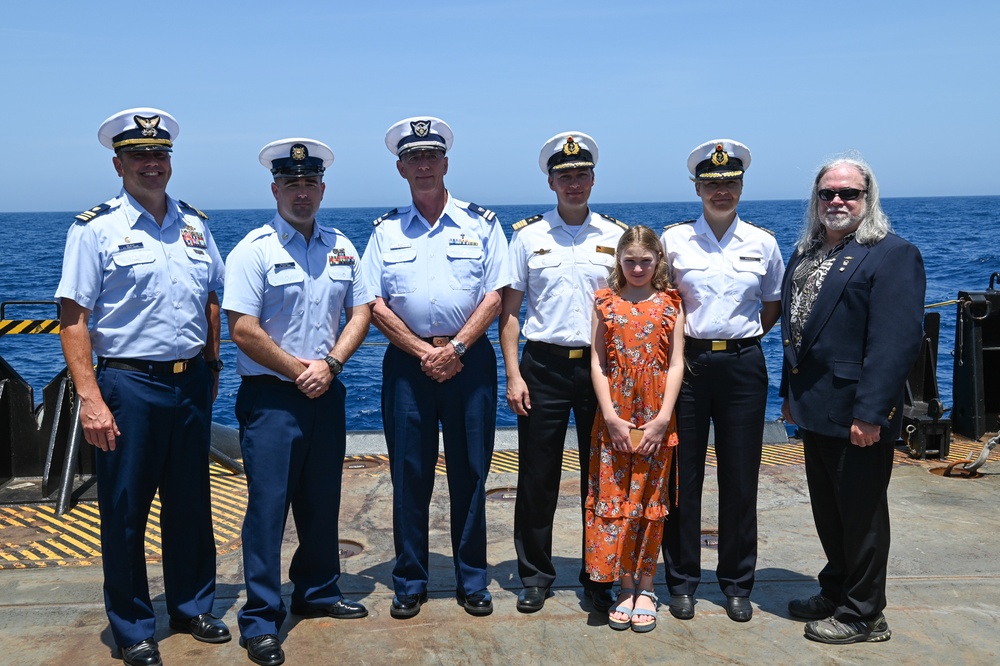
point(147, 285)
point(433, 278)
point(296, 289)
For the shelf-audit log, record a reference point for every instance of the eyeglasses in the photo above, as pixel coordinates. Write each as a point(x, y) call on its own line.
point(846, 194)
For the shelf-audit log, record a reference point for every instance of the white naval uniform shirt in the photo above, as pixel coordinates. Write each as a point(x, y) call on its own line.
point(434, 278)
point(146, 284)
point(723, 282)
point(559, 267)
point(296, 289)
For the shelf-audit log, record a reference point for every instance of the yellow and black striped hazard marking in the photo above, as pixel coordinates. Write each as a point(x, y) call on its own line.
point(28, 326)
point(35, 536)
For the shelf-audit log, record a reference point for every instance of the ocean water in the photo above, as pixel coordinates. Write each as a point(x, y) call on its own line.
point(958, 237)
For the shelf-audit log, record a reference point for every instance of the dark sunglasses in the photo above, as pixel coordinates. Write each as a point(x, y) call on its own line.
point(846, 194)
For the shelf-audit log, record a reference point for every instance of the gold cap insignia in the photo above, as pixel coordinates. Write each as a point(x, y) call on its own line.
point(571, 147)
point(299, 152)
point(421, 127)
point(720, 157)
point(148, 125)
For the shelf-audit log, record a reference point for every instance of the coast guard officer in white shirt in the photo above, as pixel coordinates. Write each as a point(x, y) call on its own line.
point(138, 288)
point(728, 272)
point(437, 267)
point(287, 283)
point(558, 259)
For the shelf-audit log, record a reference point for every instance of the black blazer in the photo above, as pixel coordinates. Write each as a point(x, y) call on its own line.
point(859, 342)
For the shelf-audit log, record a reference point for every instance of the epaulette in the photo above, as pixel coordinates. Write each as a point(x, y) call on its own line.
point(758, 227)
point(521, 224)
point(187, 206)
point(88, 215)
point(484, 212)
point(677, 224)
point(611, 219)
point(385, 217)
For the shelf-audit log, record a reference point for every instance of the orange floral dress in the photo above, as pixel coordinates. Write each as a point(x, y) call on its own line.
point(628, 498)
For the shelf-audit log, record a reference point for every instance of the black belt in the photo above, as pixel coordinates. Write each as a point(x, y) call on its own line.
point(149, 367)
point(559, 350)
point(697, 344)
point(438, 340)
point(265, 379)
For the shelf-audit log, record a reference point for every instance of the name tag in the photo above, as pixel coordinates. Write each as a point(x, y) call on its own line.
point(129, 246)
point(283, 267)
point(751, 259)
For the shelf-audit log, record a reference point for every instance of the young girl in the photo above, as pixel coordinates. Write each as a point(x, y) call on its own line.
point(637, 365)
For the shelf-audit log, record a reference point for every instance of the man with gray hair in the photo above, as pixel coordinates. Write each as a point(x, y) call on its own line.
point(852, 305)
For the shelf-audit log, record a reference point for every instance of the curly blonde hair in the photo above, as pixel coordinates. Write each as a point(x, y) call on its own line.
point(647, 239)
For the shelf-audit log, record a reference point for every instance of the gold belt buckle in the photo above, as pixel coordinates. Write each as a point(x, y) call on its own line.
point(718, 345)
point(179, 366)
point(440, 340)
point(576, 353)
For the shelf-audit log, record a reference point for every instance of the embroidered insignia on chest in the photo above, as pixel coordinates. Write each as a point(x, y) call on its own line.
point(385, 217)
point(541, 251)
point(604, 249)
point(338, 257)
point(611, 219)
point(88, 215)
point(462, 240)
point(193, 238)
point(521, 224)
point(285, 266)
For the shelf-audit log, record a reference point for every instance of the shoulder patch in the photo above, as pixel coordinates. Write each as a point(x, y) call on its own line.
point(611, 219)
point(677, 224)
point(187, 206)
point(88, 215)
point(755, 226)
point(482, 212)
point(521, 224)
point(384, 217)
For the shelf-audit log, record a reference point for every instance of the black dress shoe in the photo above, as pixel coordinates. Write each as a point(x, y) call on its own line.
point(205, 628)
point(681, 606)
point(345, 609)
point(532, 599)
point(601, 598)
point(739, 609)
point(406, 605)
point(264, 650)
point(816, 607)
point(144, 653)
point(477, 603)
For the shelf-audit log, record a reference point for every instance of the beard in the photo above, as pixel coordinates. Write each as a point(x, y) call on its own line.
point(840, 220)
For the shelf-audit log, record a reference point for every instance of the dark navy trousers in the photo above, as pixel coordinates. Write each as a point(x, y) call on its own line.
point(413, 405)
point(556, 385)
point(165, 423)
point(293, 452)
point(729, 391)
point(848, 487)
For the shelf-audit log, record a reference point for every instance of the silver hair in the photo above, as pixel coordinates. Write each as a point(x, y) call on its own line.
point(874, 225)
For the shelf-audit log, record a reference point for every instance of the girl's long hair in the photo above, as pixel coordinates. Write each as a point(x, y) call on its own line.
point(647, 239)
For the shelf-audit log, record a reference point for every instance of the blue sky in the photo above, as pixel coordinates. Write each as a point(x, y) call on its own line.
point(911, 85)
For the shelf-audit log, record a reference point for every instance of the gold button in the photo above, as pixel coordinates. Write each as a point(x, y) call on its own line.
point(795, 371)
point(786, 342)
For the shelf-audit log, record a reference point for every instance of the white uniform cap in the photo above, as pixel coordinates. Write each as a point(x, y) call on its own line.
point(568, 150)
point(419, 133)
point(296, 158)
point(719, 158)
point(142, 128)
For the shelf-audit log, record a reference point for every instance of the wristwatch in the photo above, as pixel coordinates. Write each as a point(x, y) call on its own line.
point(216, 365)
point(459, 347)
point(336, 366)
